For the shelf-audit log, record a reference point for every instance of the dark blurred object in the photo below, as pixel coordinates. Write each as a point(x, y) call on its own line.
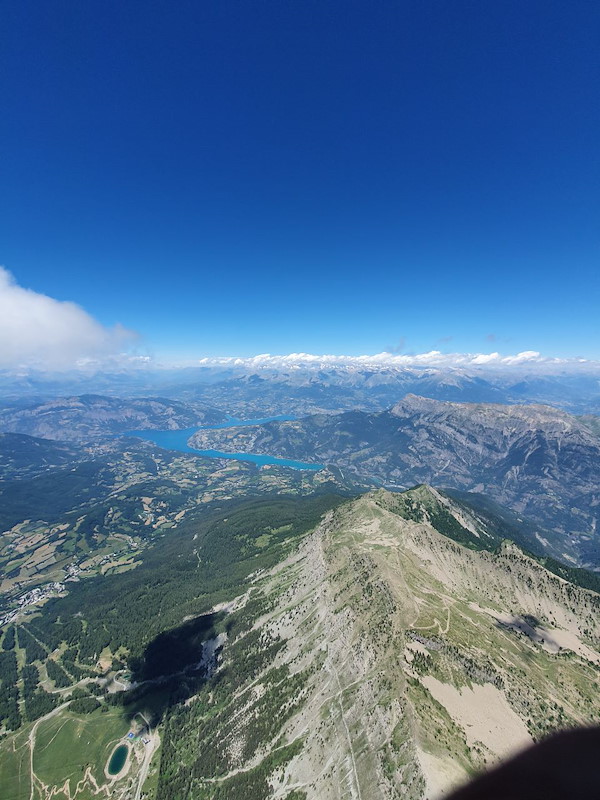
point(563, 767)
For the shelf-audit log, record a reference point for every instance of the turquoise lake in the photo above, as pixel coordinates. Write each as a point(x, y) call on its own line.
point(178, 440)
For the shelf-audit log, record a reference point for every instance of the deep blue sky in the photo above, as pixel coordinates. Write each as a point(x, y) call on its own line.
point(243, 177)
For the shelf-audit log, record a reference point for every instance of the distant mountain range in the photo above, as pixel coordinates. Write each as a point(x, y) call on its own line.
point(303, 390)
point(247, 389)
point(541, 462)
point(89, 416)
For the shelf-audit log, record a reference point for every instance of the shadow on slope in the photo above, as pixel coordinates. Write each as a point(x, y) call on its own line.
point(172, 668)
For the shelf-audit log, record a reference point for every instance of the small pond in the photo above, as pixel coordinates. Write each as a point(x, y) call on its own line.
point(118, 759)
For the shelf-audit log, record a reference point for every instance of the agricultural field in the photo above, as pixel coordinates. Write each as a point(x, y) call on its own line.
point(97, 517)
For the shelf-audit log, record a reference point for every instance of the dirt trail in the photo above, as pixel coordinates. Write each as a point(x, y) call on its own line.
point(144, 769)
point(31, 739)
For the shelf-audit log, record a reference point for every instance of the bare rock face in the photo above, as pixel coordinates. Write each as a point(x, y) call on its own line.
point(541, 462)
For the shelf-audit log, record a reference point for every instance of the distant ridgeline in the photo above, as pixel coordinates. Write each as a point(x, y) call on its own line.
point(541, 462)
point(368, 634)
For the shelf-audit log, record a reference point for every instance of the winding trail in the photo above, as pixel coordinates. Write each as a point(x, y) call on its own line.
point(31, 739)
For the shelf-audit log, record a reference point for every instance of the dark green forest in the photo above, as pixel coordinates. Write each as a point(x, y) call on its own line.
point(201, 562)
point(141, 613)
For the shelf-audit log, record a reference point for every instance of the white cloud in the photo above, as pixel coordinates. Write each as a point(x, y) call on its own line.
point(37, 330)
point(433, 358)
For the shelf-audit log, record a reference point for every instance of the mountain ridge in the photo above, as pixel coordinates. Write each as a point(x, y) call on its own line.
point(396, 638)
point(379, 647)
point(538, 461)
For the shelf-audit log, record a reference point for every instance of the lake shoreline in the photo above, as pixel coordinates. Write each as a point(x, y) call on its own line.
point(178, 440)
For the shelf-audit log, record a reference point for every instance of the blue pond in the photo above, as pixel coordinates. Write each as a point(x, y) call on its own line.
point(178, 440)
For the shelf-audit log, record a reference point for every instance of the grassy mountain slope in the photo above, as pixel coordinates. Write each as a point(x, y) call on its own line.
point(65, 667)
point(383, 659)
point(384, 647)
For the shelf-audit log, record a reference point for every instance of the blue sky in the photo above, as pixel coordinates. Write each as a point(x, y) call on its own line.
point(230, 178)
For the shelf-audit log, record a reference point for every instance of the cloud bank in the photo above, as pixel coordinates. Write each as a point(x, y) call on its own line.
point(37, 330)
point(434, 359)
